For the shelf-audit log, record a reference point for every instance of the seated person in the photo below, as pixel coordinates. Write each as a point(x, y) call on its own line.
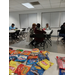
point(47, 27)
point(12, 27)
point(39, 32)
point(62, 31)
point(32, 33)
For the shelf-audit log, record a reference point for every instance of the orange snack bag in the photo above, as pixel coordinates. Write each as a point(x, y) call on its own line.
point(17, 52)
point(26, 52)
point(11, 51)
point(25, 69)
point(35, 50)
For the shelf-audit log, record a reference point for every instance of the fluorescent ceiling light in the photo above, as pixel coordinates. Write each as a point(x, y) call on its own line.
point(28, 5)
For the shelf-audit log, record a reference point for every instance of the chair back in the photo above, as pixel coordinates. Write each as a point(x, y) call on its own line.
point(23, 29)
point(17, 32)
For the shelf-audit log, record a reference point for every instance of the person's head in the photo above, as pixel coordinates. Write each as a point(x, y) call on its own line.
point(47, 25)
point(13, 25)
point(38, 25)
point(64, 23)
point(33, 25)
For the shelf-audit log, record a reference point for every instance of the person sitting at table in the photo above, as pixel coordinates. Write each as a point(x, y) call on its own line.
point(32, 33)
point(47, 27)
point(12, 27)
point(62, 32)
point(39, 31)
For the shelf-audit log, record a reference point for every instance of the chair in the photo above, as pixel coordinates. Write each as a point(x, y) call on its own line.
point(38, 42)
point(17, 34)
point(58, 31)
point(48, 38)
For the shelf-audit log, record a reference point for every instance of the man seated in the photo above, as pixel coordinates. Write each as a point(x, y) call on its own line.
point(62, 32)
point(47, 27)
point(12, 27)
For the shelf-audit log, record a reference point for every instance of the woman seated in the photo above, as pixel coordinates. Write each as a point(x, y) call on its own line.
point(47, 27)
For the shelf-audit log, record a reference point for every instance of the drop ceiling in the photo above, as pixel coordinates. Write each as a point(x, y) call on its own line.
point(16, 5)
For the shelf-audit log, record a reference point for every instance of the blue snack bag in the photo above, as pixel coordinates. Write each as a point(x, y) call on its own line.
point(36, 70)
point(21, 58)
point(12, 57)
point(42, 57)
point(61, 72)
point(31, 61)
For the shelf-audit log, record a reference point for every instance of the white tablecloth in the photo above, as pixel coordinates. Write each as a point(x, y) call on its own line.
point(53, 70)
point(13, 31)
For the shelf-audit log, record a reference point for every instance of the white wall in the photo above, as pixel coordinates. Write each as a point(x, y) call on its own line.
point(14, 16)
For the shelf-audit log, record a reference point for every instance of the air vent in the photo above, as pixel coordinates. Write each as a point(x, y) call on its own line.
point(35, 3)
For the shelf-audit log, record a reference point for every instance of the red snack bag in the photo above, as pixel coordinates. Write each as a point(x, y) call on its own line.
point(32, 57)
point(19, 69)
point(61, 62)
point(26, 52)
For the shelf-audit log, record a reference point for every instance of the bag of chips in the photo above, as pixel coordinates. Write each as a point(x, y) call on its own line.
point(19, 69)
point(61, 72)
point(31, 61)
point(45, 64)
point(42, 57)
point(32, 57)
point(35, 50)
point(44, 52)
point(36, 70)
point(26, 53)
point(13, 66)
point(21, 58)
point(12, 57)
point(11, 51)
point(61, 62)
point(25, 70)
point(19, 50)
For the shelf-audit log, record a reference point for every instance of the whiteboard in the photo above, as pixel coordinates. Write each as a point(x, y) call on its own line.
point(45, 19)
point(54, 19)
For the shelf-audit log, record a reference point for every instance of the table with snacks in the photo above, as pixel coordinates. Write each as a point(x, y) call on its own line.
point(24, 61)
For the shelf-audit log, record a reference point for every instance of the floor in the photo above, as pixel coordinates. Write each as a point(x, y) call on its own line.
point(57, 47)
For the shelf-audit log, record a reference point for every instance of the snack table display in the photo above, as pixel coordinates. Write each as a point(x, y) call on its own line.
point(52, 70)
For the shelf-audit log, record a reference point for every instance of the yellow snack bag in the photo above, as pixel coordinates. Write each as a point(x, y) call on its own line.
point(45, 52)
point(45, 64)
point(13, 66)
point(35, 50)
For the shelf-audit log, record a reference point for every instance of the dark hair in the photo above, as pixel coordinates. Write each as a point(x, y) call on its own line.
point(46, 23)
point(64, 23)
point(13, 24)
point(38, 25)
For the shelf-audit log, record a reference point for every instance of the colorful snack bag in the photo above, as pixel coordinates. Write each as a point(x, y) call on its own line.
point(36, 70)
point(19, 69)
point(11, 51)
point(42, 57)
point(45, 64)
point(13, 66)
point(25, 70)
point(31, 61)
point(12, 57)
point(32, 57)
point(44, 52)
point(61, 72)
point(26, 53)
point(21, 58)
point(61, 62)
point(19, 50)
point(35, 50)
